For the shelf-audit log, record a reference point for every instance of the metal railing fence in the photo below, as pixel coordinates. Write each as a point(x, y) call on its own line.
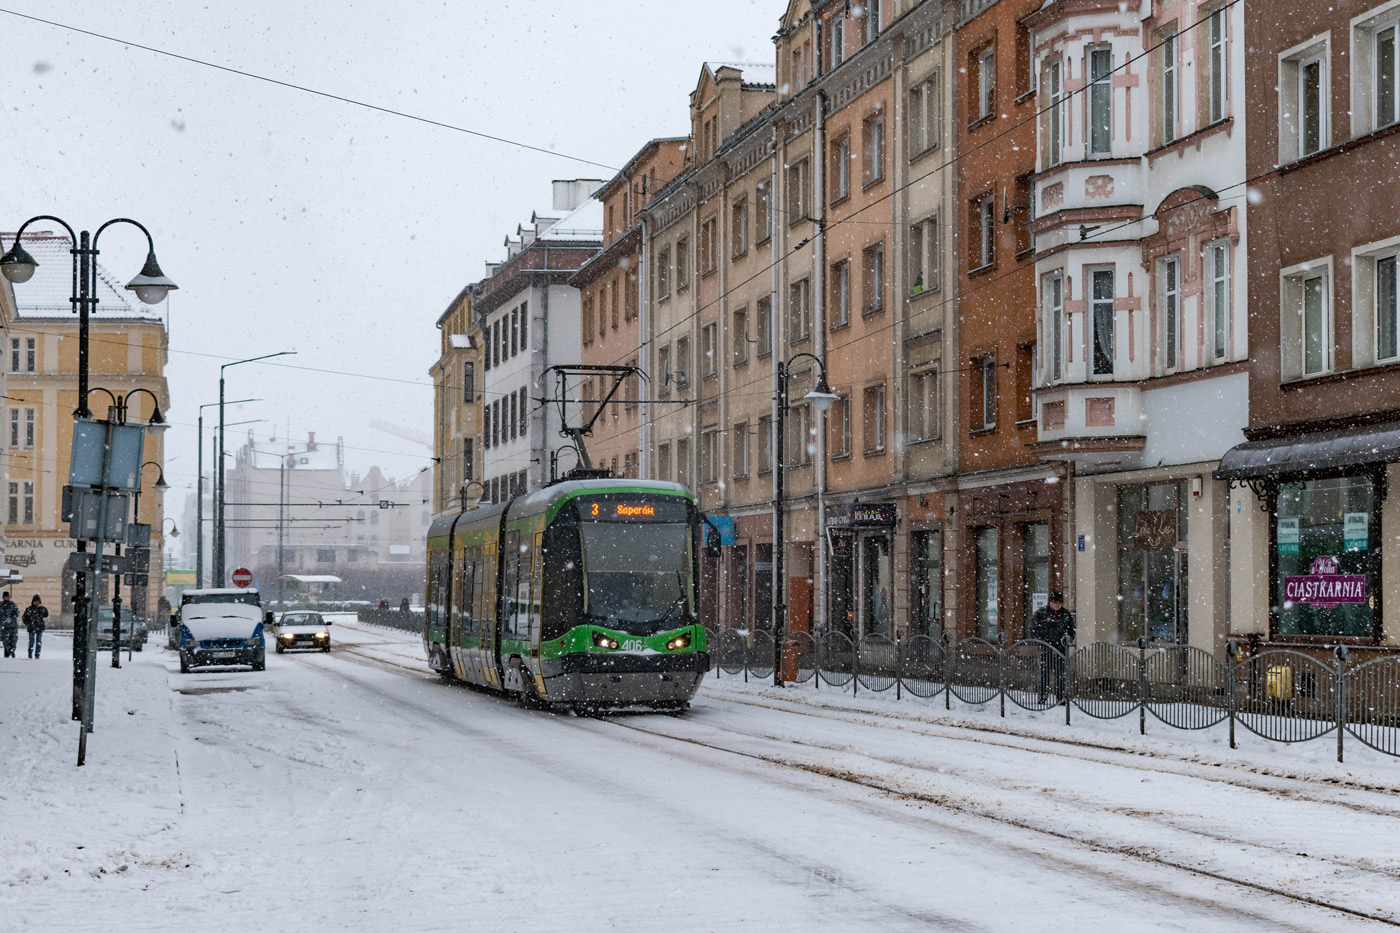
point(1278, 694)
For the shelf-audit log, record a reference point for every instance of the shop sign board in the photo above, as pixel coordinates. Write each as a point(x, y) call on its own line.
point(724, 525)
point(1323, 587)
point(1356, 530)
point(1155, 530)
point(1288, 535)
point(879, 515)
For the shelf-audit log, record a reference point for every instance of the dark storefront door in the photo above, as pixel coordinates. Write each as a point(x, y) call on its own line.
point(1152, 578)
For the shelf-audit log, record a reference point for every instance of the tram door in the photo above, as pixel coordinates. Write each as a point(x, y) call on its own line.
point(490, 614)
point(454, 616)
point(533, 606)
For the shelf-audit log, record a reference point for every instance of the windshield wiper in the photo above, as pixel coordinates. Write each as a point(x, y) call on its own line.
point(676, 604)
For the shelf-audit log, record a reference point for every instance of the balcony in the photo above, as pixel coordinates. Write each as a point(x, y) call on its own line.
point(1098, 425)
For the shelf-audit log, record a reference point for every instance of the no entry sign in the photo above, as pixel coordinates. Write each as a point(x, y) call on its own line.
point(242, 577)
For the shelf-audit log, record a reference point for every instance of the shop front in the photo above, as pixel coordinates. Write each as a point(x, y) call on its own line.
point(861, 569)
point(1323, 496)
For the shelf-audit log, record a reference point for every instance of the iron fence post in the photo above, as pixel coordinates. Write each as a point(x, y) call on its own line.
point(1341, 652)
point(747, 650)
point(1142, 685)
point(950, 663)
point(1001, 671)
point(1231, 653)
point(1065, 641)
point(898, 667)
point(855, 667)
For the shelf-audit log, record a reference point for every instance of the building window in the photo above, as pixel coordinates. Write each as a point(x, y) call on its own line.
point(1387, 321)
point(663, 463)
point(764, 311)
point(1055, 324)
point(1385, 80)
point(840, 294)
point(798, 180)
point(709, 348)
point(1217, 63)
point(739, 227)
point(800, 435)
point(1102, 314)
point(13, 517)
point(1217, 270)
point(984, 230)
point(525, 409)
point(514, 414)
point(709, 455)
point(873, 151)
point(1326, 527)
point(486, 428)
point(740, 332)
point(1101, 101)
point(1311, 104)
point(663, 365)
point(14, 354)
point(741, 450)
point(514, 332)
point(872, 19)
point(841, 169)
point(925, 101)
point(325, 555)
point(1170, 272)
point(986, 572)
point(29, 429)
point(682, 263)
point(872, 267)
point(1304, 114)
point(925, 423)
point(874, 433)
point(765, 444)
point(1170, 90)
point(923, 256)
point(30, 354)
point(663, 273)
point(1054, 114)
point(799, 311)
point(928, 584)
point(984, 67)
point(837, 33)
point(763, 214)
point(1025, 382)
point(1315, 324)
point(468, 382)
point(838, 420)
point(683, 361)
point(586, 320)
point(988, 380)
point(683, 461)
point(708, 247)
point(468, 459)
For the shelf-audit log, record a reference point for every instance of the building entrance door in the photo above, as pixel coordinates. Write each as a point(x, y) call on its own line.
point(1152, 566)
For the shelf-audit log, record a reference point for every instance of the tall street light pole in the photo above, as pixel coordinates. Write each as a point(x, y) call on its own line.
point(220, 542)
point(199, 497)
point(821, 398)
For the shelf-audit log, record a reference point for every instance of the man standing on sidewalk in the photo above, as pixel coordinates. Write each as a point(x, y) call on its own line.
point(1053, 626)
point(34, 618)
point(9, 625)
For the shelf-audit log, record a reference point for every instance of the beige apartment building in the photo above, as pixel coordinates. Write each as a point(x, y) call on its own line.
point(456, 408)
point(127, 351)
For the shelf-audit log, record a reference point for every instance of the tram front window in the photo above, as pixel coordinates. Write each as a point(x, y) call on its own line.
point(637, 577)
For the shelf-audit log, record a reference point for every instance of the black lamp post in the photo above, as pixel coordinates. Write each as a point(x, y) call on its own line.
point(219, 529)
point(468, 485)
point(821, 399)
point(199, 495)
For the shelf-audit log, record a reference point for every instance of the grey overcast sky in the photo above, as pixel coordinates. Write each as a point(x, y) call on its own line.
point(293, 222)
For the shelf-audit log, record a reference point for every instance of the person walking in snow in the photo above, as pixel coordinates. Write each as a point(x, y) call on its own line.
point(34, 618)
point(9, 625)
point(1053, 625)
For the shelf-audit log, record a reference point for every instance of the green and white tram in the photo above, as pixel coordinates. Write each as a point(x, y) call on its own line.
point(582, 593)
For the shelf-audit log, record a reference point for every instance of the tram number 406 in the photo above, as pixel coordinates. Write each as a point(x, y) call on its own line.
point(633, 645)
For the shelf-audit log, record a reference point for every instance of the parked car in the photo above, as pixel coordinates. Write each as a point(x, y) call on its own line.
point(303, 630)
point(248, 597)
point(221, 632)
point(134, 632)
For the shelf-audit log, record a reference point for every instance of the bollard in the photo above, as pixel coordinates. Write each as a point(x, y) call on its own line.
point(1001, 671)
point(1341, 652)
point(1142, 685)
point(1068, 670)
point(1231, 656)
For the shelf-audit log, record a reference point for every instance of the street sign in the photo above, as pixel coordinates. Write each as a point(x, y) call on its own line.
point(82, 561)
point(242, 577)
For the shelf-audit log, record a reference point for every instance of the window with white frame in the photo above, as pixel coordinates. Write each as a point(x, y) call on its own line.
point(663, 273)
point(1101, 314)
point(837, 33)
point(13, 516)
point(1374, 298)
point(739, 227)
point(663, 364)
point(1054, 114)
point(874, 439)
point(682, 263)
point(873, 148)
point(1169, 290)
point(872, 19)
point(924, 421)
point(741, 450)
point(762, 214)
point(1100, 102)
point(923, 256)
point(923, 115)
point(763, 314)
point(663, 462)
point(1055, 324)
point(709, 349)
point(1315, 300)
point(840, 294)
point(1216, 268)
point(838, 421)
point(872, 263)
point(1304, 90)
point(798, 181)
point(14, 354)
point(740, 333)
point(683, 461)
point(1385, 74)
point(799, 311)
point(1169, 103)
point(988, 395)
point(1217, 64)
point(1375, 77)
point(986, 82)
point(1305, 331)
point(683, 361)
point(841, 168)
point(709, 245)
point(765, 443)
point(984, 230)
point(709, 455)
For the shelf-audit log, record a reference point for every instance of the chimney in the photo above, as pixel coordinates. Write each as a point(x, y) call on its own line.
point(570, 193)
point(310, 441)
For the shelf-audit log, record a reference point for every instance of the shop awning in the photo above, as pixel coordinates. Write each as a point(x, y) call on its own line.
point(1312, 453)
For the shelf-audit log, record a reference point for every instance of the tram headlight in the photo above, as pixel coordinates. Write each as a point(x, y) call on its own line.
point(679, 642)
point(603, 641)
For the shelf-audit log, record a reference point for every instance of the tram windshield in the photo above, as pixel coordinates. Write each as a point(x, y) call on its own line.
point(637, 576)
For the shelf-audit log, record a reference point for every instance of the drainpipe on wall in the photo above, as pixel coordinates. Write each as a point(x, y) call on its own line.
point(819, 319)
point(774, 442)
point(643, 424)
point(536, 371)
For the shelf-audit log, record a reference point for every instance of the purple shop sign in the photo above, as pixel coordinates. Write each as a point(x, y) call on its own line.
point(1323, 587)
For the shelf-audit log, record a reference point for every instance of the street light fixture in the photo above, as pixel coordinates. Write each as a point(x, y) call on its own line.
point(199, 493)
point(174, 528)
point(821, 398)
point(464, 494)
point(220, 542)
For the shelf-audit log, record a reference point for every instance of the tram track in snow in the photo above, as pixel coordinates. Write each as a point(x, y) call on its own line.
point(967, 805)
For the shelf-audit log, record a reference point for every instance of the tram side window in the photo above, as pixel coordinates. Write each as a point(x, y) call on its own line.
point(439, 591)
point(512, 568)
point(465, 600)
point(562, 579)
point(486, 619)
point(522, 591)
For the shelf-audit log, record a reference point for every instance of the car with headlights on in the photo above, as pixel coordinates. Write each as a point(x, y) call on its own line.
point(303, 629)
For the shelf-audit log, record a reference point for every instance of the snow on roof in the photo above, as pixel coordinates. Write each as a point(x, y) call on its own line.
point(310, 578)
point(267, 455)
point(48, 293)
point(754, 72)
point(584, 223)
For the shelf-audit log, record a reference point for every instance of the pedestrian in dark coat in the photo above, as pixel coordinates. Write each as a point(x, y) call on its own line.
point(9, 625)
point(1052, 624)
point(34, 620)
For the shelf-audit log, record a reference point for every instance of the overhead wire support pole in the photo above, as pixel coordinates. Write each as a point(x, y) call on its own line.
point(220, 542)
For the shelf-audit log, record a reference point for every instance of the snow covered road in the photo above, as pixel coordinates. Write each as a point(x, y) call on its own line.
point(354, 791)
